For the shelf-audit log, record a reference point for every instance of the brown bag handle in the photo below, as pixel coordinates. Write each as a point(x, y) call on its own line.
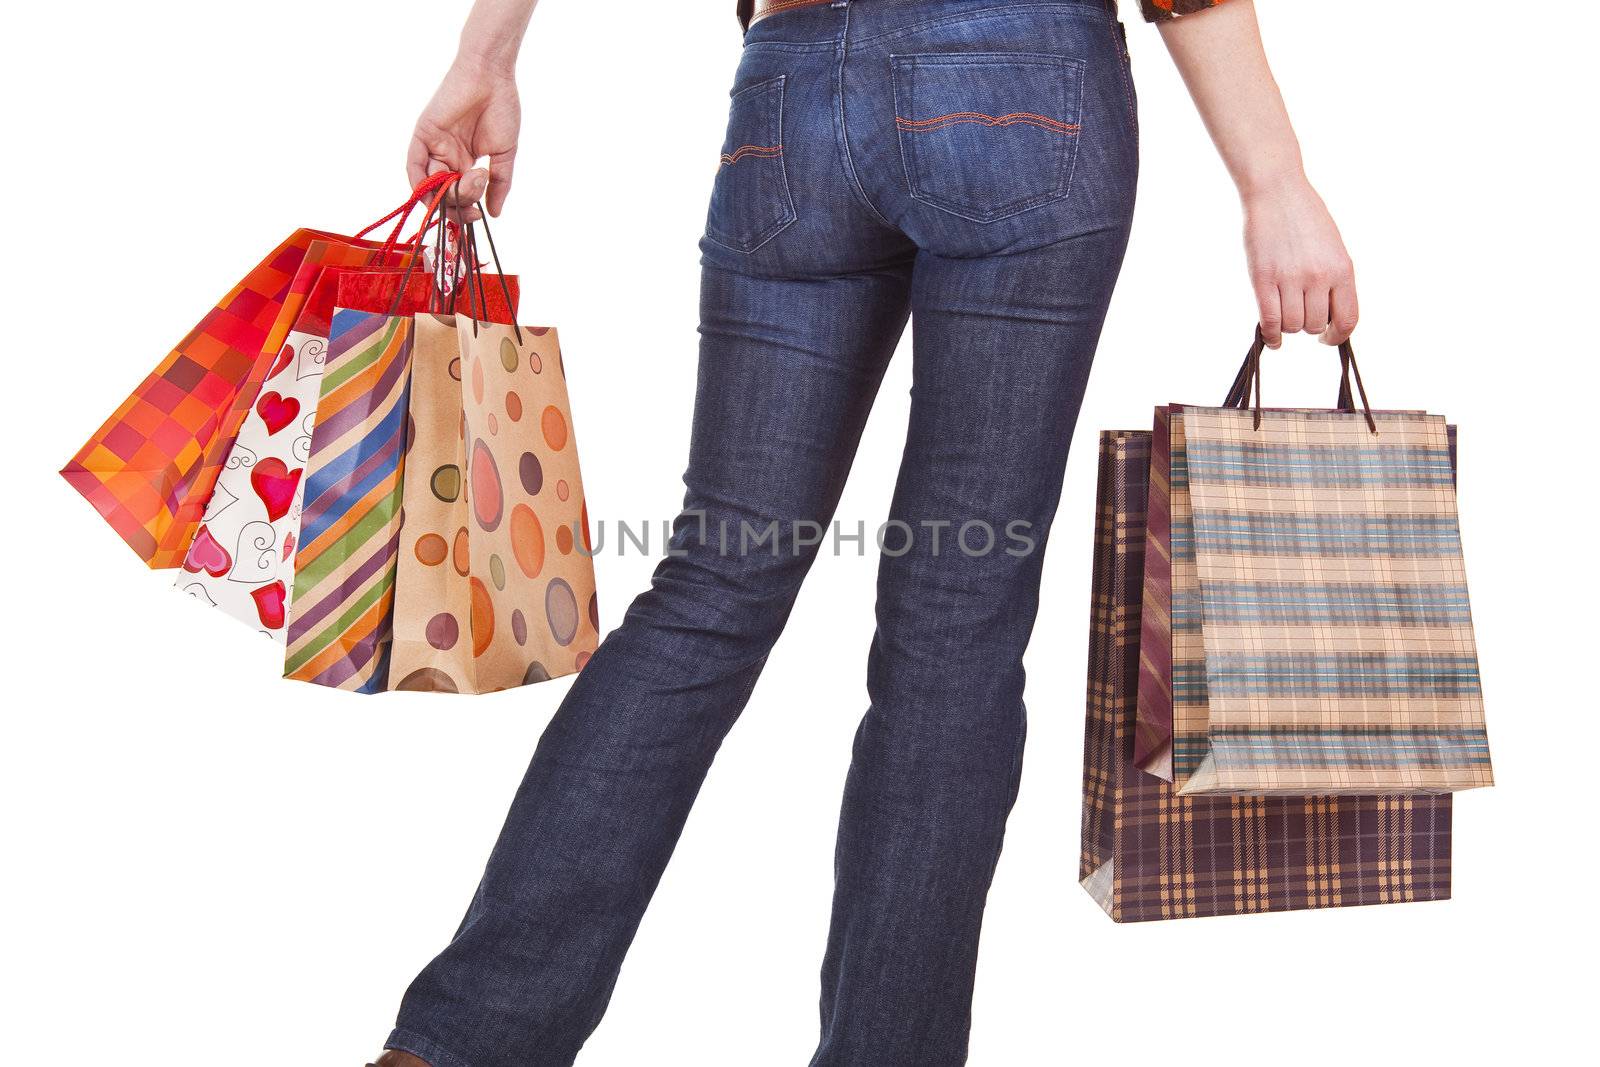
point(1249, 377)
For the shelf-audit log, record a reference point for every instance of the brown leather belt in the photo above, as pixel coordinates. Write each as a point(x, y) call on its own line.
point(751, 11)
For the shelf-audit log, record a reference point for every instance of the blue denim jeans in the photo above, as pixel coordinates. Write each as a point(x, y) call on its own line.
point(969, 164)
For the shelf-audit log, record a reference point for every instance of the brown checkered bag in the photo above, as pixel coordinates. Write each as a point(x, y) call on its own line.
point(1149, 853)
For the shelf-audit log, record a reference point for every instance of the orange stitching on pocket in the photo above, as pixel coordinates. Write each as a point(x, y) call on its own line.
point(1026, 118)
point(758, 151)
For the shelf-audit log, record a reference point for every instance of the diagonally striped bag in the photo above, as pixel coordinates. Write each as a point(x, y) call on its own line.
point(1320, 634)
point(350, 525)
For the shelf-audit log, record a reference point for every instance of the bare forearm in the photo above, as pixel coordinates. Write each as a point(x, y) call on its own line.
point(476, 111)
point(493, 33)
point(1220, 55)
point(1299, 269)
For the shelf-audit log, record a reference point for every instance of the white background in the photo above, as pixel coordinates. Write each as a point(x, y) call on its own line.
point(206, 865)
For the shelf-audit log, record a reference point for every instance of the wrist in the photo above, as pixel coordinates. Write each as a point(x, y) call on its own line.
point(1269, 171)
point(1271, 180)
point(493, 60)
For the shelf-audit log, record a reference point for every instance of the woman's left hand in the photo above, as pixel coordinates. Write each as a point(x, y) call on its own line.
point(1302, 275)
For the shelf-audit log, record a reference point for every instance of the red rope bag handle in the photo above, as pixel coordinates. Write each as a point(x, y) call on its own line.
point(433, 183)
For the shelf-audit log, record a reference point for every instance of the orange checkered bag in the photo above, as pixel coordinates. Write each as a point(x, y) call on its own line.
point(150, 469)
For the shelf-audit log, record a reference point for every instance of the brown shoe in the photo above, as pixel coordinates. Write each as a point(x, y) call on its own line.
point(394, 1058)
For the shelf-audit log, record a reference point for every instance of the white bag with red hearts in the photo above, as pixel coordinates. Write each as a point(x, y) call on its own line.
point(242, 558)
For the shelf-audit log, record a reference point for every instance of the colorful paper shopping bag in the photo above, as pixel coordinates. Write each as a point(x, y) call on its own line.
point(495, 586)
point(143, 469)
point(150, 469)
point(242, 557)
point(350, 517)
point(340, 617)
point(1150, 853)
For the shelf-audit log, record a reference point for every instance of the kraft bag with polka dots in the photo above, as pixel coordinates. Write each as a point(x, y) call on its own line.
point(494, 586)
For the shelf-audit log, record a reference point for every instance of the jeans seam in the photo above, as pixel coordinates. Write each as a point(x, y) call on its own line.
point(1120, 45)
point(843, 53)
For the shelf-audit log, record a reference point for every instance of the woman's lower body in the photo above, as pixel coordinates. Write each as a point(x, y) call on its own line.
point(969, 164)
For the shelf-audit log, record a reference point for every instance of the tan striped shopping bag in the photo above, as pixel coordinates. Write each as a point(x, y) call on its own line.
point(1307, 628)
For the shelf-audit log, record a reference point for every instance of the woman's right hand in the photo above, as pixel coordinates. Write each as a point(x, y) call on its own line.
point(474, 113)
point(1299, 268)
point(1301, 272)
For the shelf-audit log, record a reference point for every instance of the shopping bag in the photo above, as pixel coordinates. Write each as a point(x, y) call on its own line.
point(1170, 600)
point(349, 520)
point(150, 469)
point(344, 563)
point(1321, 637)
point(1152, 735)
point(495, 583)
point(241, 558)
point(1149, 853)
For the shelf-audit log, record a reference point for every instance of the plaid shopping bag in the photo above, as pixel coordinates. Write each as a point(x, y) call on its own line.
point(1152, 738)
point(1150, 853)
point(1320, 633)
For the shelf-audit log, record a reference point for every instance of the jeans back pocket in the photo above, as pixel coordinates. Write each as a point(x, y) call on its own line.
point(988, 135)
point(750, 201)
